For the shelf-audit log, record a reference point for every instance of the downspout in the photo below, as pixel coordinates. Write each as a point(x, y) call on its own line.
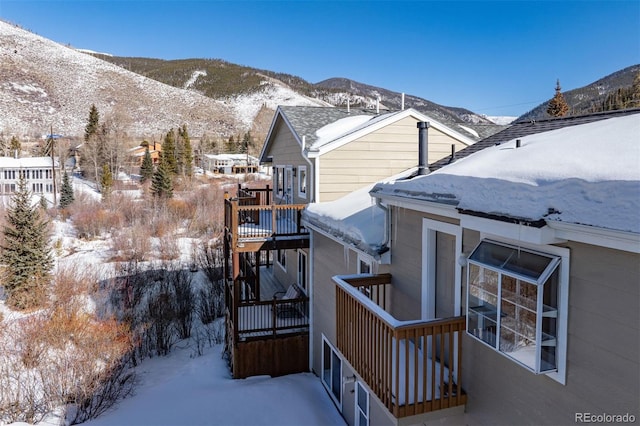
point(387, 222)
point(312, 170)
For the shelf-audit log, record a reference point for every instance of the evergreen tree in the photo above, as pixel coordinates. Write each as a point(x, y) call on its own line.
point(106, 182)
point(230, 146)
point(558, 107)
point(66, 192)
point(15, 147)
point(169, 153)
point(162, 180)
point(146, 169)
point(25, 252)
point(93, 123)
point(187, 152)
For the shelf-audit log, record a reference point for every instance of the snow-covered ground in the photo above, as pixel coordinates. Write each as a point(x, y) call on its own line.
point(182, 390)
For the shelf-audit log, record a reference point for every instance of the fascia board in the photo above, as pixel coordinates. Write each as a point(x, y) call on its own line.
point(383, 259)
point(513, 231)
point(619, 240)
point(432, 207)
point(267, 143)
point(377, 126)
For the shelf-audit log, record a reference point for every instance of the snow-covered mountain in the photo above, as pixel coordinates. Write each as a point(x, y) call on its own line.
point(45, 85)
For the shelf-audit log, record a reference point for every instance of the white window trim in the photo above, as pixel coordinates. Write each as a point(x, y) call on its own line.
point(327, 386)
point(284, 267)
point(301, 181)
point(429, 229)
point(366, 260)
point(361, 388)
point(302, 257)
point(560, 375)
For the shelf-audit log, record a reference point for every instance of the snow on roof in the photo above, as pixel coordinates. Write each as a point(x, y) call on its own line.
point(337, 129)
point(587, 174)
point(354, 219)
point(27, 162)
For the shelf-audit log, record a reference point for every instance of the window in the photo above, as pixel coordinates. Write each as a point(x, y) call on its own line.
point(302, 181)
point(332, 372)
point(279, 180)
point(282, 259)
point(288, 183)
point(302, 270)
point(362, 405)
point(364, 267)
point(513, 297)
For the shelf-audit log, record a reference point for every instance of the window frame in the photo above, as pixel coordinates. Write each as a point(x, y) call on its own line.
point(360, 388)
point(303, 275)
point(302, 182)
point(281, 258)
point(334, 354)
point(562, 269)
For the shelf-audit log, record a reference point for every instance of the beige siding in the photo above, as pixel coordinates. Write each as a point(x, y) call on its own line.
point(329, 260)
point(376, 156)
point(406, 252)
point(603, 352)
point(286, 151)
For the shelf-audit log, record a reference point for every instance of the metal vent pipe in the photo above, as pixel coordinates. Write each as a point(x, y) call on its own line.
point(423, 147)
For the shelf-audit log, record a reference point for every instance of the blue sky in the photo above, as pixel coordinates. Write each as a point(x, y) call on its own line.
point(494, 58)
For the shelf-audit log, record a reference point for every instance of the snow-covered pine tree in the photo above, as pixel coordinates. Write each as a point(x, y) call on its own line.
point(25, 252)
point(146, 168)
point(66, 192)
point(558, 107)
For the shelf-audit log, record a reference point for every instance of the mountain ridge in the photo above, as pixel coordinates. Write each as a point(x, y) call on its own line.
point(45, 85)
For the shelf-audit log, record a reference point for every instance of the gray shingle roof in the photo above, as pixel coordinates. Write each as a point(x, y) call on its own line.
point(305, 120)
point(524, 128)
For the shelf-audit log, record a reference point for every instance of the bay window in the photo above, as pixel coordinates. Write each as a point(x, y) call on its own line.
point(513, 298)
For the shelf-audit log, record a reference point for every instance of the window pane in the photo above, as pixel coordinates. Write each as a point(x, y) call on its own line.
point(511, 259)
point(483, 302)
point(336, 381)
point(362, 398)
point(326, 364)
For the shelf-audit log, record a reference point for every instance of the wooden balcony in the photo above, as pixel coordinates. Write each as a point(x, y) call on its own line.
point(266, 336)
point(413, 367)
point(253, 223)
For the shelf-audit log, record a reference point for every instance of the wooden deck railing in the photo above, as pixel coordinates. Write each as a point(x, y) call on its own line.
point(254, 319)
point(246, 222)
point(413, 367)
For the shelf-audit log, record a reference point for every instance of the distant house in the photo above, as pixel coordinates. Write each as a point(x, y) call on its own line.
point(136, 154)
point(231, 163)
point(501, 288)
point(321, 153)
point(38, 173)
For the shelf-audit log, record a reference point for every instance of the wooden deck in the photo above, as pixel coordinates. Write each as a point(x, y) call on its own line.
point(269, 285)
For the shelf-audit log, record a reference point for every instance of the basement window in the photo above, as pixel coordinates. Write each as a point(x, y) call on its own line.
point(512, 303)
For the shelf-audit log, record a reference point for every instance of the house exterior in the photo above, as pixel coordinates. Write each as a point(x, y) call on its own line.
point(322, 153)
point(38, 173)
point(137, 153)
point(503, 287)
point(231, 163)
point(316, 153)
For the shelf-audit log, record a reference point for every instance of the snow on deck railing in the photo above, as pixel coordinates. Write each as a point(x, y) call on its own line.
point(412, 366)
point(263, 221)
